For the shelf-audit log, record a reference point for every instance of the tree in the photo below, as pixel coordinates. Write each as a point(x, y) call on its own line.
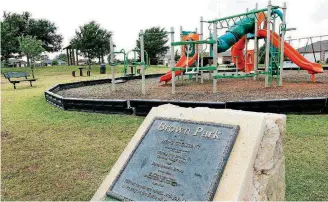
point(45, 31)
point(103, 44)
point(54, 62)
point(155, 40)
point(12, 26)
point(262, 53)
point(61, 56)
point(16, 25)
point(92, 41)
point(8, 42)
point(32, 48)
point(176, 55)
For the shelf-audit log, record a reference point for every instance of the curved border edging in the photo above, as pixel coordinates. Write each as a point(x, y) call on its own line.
point(142, 107)
point(91, 105)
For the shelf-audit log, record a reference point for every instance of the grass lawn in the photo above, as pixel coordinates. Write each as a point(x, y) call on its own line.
point(51, 154)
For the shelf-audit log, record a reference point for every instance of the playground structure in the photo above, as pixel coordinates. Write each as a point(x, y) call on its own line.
point(142, 64)
point(253, 25)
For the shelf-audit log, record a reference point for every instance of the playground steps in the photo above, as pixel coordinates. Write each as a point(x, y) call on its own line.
point(208, 68)
point(274, 61)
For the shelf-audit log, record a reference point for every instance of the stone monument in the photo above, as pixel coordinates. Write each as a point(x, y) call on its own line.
point(199, 154)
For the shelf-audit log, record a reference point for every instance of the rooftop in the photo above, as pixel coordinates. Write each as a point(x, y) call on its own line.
point(316, 47)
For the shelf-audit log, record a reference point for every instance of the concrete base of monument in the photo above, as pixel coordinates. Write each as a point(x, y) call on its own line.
point(255, 169)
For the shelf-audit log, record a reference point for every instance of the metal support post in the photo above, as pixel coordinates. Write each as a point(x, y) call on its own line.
point(267, 48)
point(215, 58)
point(142, 55)
point(172, 61)
point(255, 62)
point(211, 49)
point(246, 48)
point(282, 44)
point(181, 38)
point(198, 56)
point(201, 48)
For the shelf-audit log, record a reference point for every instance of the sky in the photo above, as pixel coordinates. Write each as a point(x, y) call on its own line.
point(125, 18)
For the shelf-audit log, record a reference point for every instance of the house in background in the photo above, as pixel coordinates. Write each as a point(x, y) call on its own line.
point(165, 59)
point(46, 62)
point(319, 52)
point(14, 62)
point(83, 61)
point(61, 62)
point(225, 57)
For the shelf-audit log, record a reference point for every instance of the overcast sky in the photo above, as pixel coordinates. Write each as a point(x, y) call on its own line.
point(125, 18)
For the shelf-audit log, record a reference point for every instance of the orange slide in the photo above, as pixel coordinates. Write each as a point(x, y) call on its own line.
point(293, 55)
point(237, 53)
point(183, 60)
point(181, 63)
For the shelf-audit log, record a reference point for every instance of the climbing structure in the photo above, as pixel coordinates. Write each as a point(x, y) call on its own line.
point(253, 25)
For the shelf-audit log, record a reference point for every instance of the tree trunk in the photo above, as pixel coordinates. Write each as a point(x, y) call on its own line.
point(28, 60)
point(77, 57)
point(89, 61)
point(32, 67)
point(67, 55)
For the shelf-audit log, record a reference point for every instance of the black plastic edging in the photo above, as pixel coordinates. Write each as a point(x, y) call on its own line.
point(54, 99)
point(288, 106)
point(91, 105)
point(142, 107)
point(97, 105)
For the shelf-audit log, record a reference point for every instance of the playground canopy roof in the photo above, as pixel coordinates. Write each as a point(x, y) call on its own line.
point(316, 47)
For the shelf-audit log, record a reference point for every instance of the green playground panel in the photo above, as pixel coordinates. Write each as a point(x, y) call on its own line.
point(236, 76)
point(178, 43)
point(242, 14)
point(200, 68)
point(138, 63)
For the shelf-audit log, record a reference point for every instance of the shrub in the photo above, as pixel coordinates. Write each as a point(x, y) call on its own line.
point(55, 62)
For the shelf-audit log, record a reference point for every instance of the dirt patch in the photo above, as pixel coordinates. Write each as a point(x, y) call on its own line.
point(295, 85)
point(32, 168)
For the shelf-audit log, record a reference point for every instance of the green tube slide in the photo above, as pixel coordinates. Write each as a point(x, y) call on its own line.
point(238, 30)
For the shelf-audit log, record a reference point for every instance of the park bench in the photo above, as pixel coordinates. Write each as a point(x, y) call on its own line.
point(16, 75)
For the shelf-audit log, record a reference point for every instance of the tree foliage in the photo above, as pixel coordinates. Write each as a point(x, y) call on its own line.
point(54, 62)
point(155, 40)
point(45, 31)
point(176, 56)
point(262, 53)
point(92, 41)
point(8, 41)
point(31, 47)
point(61, 56)
point(16, 25)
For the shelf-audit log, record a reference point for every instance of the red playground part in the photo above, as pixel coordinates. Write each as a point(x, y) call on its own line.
point(183, 60)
